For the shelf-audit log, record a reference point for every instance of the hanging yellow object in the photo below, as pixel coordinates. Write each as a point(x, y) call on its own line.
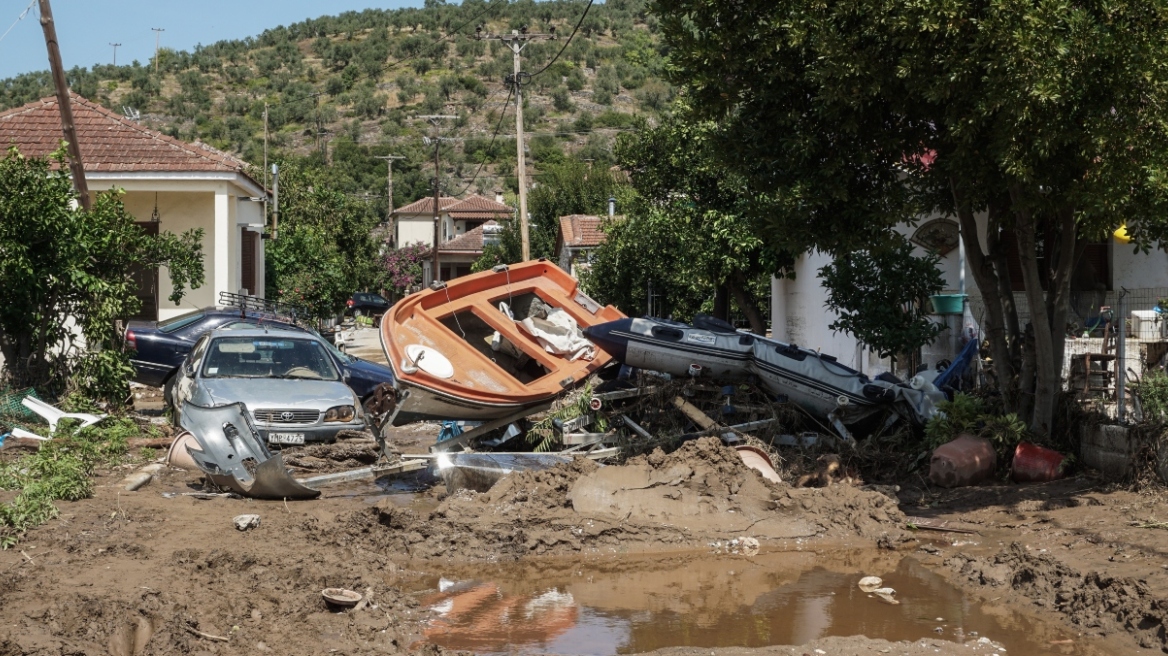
point(1121, 235)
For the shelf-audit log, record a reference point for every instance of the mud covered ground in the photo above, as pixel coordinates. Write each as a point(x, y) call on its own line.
point(128, 573)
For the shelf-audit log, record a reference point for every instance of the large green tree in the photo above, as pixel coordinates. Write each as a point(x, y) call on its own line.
point(711, 219)
point(65, 278)
point(324, 248)
point(1044, 117)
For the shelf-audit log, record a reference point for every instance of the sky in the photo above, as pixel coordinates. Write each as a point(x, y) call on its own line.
point(85, 28)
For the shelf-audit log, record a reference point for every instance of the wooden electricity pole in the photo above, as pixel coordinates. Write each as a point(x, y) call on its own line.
point(157, 40)
point(115, 45)
point(436, 274)
point(517, 40)
point(64, 103)
point(389, 209)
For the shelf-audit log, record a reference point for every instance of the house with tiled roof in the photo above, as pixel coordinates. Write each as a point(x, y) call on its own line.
point(460, 225)
point(578, 236)
point(170, 186)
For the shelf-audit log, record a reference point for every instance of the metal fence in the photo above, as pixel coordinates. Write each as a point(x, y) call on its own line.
point(1145, 330)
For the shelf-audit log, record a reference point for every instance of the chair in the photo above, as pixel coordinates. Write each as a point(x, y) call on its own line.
point(54, 415)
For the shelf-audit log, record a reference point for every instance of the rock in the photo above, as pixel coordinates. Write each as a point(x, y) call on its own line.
point(870, 583)
point(245, 522)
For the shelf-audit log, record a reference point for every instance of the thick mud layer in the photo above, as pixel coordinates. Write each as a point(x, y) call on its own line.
point(1099, 603)
point(698, 495)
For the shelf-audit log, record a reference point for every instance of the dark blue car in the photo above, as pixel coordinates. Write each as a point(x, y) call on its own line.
point(161, 346)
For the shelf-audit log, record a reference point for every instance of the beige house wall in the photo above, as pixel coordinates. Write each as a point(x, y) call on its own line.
point(214, 205)
point(413, 229)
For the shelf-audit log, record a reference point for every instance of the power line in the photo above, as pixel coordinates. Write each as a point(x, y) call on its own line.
point(491, 145)
point(18, 19)
point(566, 43)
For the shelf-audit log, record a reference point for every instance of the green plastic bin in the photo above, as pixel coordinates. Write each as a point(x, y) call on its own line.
point(948, 303)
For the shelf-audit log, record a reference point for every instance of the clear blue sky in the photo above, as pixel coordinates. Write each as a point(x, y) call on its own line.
point(85, 28)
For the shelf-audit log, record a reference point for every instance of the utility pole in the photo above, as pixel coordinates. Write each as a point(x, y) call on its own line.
point(157, 36)
point(266, 169)
point(115, 45)
point(517, 40)
point(435, 265)
point(389, 209)
point(64, 103)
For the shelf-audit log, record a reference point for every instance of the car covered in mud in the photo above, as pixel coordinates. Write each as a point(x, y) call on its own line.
point(288, 380)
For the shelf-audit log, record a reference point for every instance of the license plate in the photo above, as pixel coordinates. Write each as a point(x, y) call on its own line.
point(286, 438)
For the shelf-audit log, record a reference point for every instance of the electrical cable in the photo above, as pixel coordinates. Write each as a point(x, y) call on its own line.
point(18, 19)
point(491, 145)
point(566, 43)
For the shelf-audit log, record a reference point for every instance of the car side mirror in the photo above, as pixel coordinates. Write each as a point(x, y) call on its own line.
point(188, 369)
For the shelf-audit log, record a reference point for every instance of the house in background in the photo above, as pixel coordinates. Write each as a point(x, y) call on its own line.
point(799, 314)
point(170, 185)
point(461, 223)
point(578, 236)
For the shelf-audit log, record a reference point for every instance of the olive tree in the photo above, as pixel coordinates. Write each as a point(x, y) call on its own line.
point(1044, 117)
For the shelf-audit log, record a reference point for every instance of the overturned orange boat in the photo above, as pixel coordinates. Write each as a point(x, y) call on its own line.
point(491, 345)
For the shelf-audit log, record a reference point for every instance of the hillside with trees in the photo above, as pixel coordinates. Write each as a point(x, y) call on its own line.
point(341, 90)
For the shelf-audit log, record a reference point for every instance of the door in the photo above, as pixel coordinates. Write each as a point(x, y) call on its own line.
point(247, 260)
point(146, 281)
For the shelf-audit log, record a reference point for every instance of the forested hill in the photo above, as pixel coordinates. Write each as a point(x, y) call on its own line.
point(347, 88)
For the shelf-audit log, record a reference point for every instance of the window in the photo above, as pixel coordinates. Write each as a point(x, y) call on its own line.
point(179, 322)
point(268, 357)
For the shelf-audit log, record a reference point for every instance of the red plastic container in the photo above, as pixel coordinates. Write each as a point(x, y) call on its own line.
point(1036, 464)
point(967, 460)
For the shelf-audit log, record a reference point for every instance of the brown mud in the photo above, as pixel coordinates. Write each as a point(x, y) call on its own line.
point(141, 573)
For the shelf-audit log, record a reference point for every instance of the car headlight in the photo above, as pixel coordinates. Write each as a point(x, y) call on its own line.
point(343, 413)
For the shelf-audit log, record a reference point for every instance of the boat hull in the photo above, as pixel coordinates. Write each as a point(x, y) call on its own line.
point(478, 347)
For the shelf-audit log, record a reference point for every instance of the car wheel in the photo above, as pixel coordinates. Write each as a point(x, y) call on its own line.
point(168, 388)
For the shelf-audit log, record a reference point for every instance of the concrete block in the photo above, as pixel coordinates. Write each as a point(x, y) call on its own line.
point(1107, 448)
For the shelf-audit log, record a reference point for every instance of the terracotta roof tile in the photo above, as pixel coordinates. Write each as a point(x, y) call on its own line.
point(581, 230)
point(476, 206)
point(426, 205)
point(108, 142)
point(470, 241)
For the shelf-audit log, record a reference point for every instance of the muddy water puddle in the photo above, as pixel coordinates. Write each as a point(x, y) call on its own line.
point(629, 605)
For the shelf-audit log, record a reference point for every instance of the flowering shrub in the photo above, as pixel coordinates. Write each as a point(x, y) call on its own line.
point(403, 267)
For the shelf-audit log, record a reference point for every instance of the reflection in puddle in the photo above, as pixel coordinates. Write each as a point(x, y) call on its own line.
point(636, 605)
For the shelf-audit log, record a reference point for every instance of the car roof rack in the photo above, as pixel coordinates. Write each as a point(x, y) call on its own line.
point(285, 311)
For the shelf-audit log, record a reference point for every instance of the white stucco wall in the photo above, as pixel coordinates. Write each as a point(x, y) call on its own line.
point(186, 202)
point(799, 314)
point(411, 230)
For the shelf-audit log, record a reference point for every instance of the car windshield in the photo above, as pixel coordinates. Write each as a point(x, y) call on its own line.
point(268, 357)
point(179, 322)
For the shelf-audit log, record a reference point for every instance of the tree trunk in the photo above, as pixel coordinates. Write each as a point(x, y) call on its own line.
point(1046, 376)
point(987, 281)
point(746, 303)
point(722, 303)
point(997, 250)
point(1059, 294)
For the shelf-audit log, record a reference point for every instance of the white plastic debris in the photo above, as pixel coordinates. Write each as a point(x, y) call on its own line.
point(245, 522)
point(870, 583)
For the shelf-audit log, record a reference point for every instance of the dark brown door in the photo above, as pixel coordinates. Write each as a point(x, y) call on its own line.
point(146, 282)
point(248, 262)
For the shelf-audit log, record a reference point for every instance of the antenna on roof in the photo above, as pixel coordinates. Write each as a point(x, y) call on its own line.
point(131, 114)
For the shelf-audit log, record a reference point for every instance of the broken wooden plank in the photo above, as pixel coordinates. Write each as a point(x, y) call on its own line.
point(695, 415)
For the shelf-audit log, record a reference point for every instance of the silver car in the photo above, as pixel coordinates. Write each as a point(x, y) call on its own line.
point(288, 381)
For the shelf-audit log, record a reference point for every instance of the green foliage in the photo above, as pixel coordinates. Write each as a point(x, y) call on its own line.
point(967, 414)
point(961, 415)
point(1152, 391)
point(542, 435)
point(324, 249)
point(1044, 117)
point(59, 471)
point(880, 296)
point(63, 265)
